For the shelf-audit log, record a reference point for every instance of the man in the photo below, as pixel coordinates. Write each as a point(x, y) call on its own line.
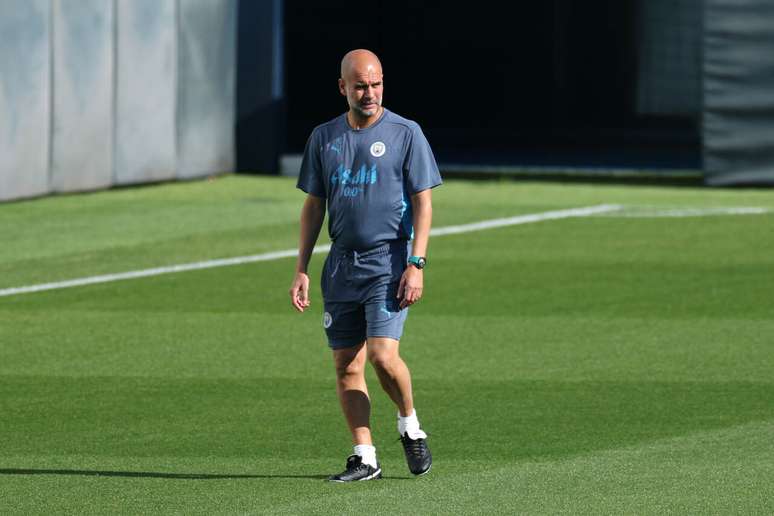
point(374, 170)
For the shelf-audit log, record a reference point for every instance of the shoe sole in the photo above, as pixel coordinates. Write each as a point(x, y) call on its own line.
point(425, 472)
point(373, 476)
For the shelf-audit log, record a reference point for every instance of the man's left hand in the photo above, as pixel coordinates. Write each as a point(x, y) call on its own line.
point(410, 287)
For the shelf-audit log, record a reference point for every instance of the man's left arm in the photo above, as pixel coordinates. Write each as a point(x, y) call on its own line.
point(412, 281)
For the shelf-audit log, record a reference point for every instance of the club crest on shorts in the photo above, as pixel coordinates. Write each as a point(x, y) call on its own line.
point(327, 320)
point(377, 149)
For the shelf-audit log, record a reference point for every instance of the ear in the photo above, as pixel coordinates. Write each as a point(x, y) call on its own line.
point(342, 90)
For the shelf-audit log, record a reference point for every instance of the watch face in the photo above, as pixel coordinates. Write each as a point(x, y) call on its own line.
point(418, 262)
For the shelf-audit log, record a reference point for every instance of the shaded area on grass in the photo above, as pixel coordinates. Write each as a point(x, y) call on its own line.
point(275, 417)
point(526, 420)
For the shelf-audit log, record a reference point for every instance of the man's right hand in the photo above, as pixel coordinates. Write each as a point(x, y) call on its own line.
point(312, 216)
point(299, 292)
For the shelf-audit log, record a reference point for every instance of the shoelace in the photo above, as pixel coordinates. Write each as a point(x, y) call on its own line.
point(415, 447)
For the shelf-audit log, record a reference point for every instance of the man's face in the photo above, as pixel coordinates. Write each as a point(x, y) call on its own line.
point(363, 88)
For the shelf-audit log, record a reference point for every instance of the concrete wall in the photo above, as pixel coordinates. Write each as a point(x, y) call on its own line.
point(145, 90)
point(95, 93)
point(25, 107)
point(82, 126)
point(206, 88)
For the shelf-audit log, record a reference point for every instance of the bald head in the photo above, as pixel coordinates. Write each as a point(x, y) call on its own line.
point(361, 83)
point(360, 62)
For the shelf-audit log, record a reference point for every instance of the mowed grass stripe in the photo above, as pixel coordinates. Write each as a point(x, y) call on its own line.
point(723, 471)
point(685, 475)
point(272, 416)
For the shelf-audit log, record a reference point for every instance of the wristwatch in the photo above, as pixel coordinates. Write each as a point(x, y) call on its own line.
point(417, 261)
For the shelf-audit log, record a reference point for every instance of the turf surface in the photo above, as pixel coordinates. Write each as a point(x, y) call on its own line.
point(593, 365)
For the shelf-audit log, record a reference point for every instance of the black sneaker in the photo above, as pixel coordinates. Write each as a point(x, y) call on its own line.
point(357, 471)
point(417, 454)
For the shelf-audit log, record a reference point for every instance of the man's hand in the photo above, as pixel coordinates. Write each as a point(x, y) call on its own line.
point(410, 286)
point(299, 292)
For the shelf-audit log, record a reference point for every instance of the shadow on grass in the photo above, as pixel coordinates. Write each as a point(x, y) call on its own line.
point(153, 474)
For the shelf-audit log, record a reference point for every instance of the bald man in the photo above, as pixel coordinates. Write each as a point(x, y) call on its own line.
point(374, 170)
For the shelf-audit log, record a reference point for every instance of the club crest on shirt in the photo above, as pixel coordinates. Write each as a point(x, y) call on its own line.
point(377, 149)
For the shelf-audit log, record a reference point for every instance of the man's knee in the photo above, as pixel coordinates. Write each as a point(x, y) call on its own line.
point(349, 370)
point(383, 354)
point(349, 362)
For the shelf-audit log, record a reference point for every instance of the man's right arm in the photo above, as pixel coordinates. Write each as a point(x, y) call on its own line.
point(312, 216)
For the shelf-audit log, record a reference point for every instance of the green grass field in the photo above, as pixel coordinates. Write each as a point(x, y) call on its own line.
point(602, 365)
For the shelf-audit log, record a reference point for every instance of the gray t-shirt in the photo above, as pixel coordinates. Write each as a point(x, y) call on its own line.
point(368, 177)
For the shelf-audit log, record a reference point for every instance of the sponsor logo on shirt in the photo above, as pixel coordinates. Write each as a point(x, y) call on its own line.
point(353, 183)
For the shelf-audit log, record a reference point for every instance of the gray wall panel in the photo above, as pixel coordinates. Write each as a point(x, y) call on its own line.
point(145, 147)
point(82, 132)
point(101, 92)
point(206, 91)
point(24, 98)
point(738, 121)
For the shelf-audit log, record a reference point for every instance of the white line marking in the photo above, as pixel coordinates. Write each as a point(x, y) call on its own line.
point(290, 253)
point(526, 219)
point(660, 212)
point(106, 278)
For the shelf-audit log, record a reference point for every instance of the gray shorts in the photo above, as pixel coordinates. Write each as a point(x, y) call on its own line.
point(360, 292)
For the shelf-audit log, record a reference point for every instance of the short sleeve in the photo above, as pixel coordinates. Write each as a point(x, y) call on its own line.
point(310, 179)
point(420, 169)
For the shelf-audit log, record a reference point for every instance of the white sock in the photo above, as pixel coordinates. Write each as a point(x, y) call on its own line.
point(367, 454)
point(410, 425)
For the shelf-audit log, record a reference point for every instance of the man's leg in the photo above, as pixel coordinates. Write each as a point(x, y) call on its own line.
point(353, 395)
point(353, 392)
point(392, 371)
point(396, 381)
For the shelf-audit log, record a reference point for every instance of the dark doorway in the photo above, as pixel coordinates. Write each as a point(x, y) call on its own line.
point(543, 83)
